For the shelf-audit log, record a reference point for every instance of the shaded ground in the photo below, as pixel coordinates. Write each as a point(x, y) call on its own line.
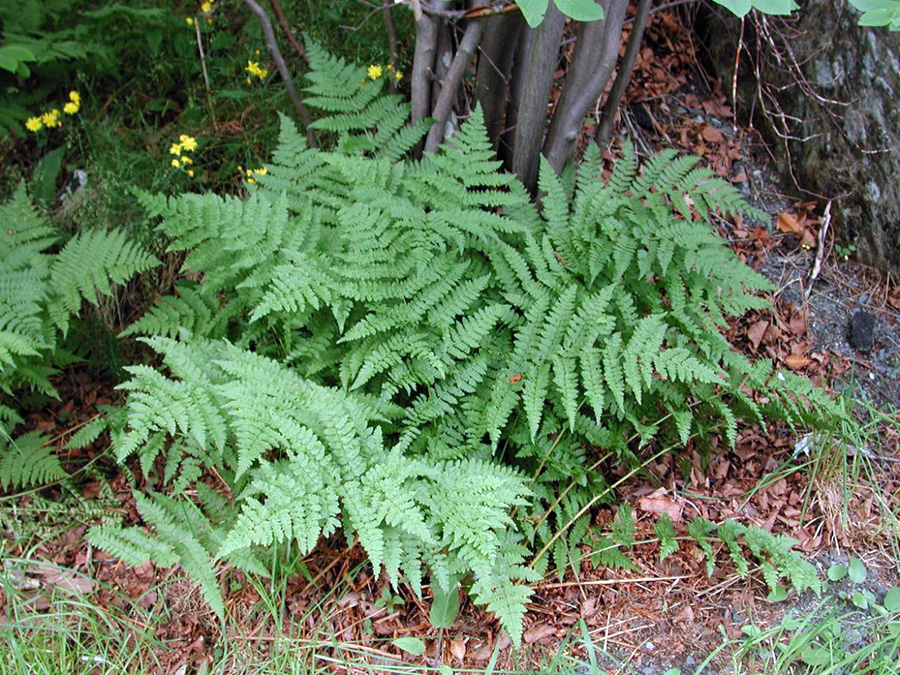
point(662, 615)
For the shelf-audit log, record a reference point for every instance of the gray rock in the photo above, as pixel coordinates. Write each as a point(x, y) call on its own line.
point(862, 331)
point(851, 127)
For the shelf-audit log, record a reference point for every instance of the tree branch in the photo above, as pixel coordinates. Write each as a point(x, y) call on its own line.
point(444, 103)
point(272, 44)
point(604, 128)
point(285, 27)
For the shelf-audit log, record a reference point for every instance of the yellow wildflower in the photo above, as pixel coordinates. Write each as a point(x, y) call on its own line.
point(175, 163)
point(254, 69)
point(70, 108)
point(398, 76)
point(251, 181)
point(34, 124)
point(75, 97)
point(209, 22)
point(186, 160)
point(175, 149)
point(390, 66)
point(206, 7)
point(262, 172)
point(190, 173)
point(374, 71)
point(51, 119)
point(190, 21)
point(188, 143)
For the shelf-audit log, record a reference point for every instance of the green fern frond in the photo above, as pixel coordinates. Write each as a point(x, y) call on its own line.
point(86, 266)
point(29, 460)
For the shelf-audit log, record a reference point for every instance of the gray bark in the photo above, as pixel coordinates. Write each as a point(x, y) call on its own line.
point(596, 53)
point(535, 92)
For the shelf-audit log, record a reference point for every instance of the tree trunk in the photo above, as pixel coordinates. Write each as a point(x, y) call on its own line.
point(498, 48)
point(531, 102)
point(596, 53)
point(841, 82)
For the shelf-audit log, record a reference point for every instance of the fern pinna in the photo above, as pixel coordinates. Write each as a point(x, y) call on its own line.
point(40, 290)
point(409, 351)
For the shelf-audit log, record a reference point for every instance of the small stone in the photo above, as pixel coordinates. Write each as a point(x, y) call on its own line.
point(649, 646)
point(862, 330)
point(690, 662)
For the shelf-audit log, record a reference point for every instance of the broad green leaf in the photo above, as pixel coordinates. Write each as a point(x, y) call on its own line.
point(815, 656)
point(444, 606)
point(533, 11)
point(17, 52)
point(857, 571)
point(736, 7)
point(859, 600)
point(879, 17)
point(837, 572)
point(410, 645)
point(780, 7)
point(778, 594)
point(580, 10)
point(892, 600)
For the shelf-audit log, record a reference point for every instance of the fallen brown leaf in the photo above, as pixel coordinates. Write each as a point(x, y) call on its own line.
point(660, 502)
point(756, 332)
point(796, 361)
point(539, 632)
point(789, 224)
point(711, 134)
point(458, 649)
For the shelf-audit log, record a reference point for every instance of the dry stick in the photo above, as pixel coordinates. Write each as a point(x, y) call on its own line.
point(288, 33)
point(444, 102)
point(604, 129)
point(820, 254)
point(282, 69)
point(393, 41)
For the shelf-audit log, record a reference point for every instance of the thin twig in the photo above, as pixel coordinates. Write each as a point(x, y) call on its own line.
point(272, 45)
point(285, 27)
point(212, 110)
point(623, 77)
point(393, 41)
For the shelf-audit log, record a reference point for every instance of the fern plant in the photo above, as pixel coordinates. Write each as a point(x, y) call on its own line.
point(411, 351)
point(40, 291)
